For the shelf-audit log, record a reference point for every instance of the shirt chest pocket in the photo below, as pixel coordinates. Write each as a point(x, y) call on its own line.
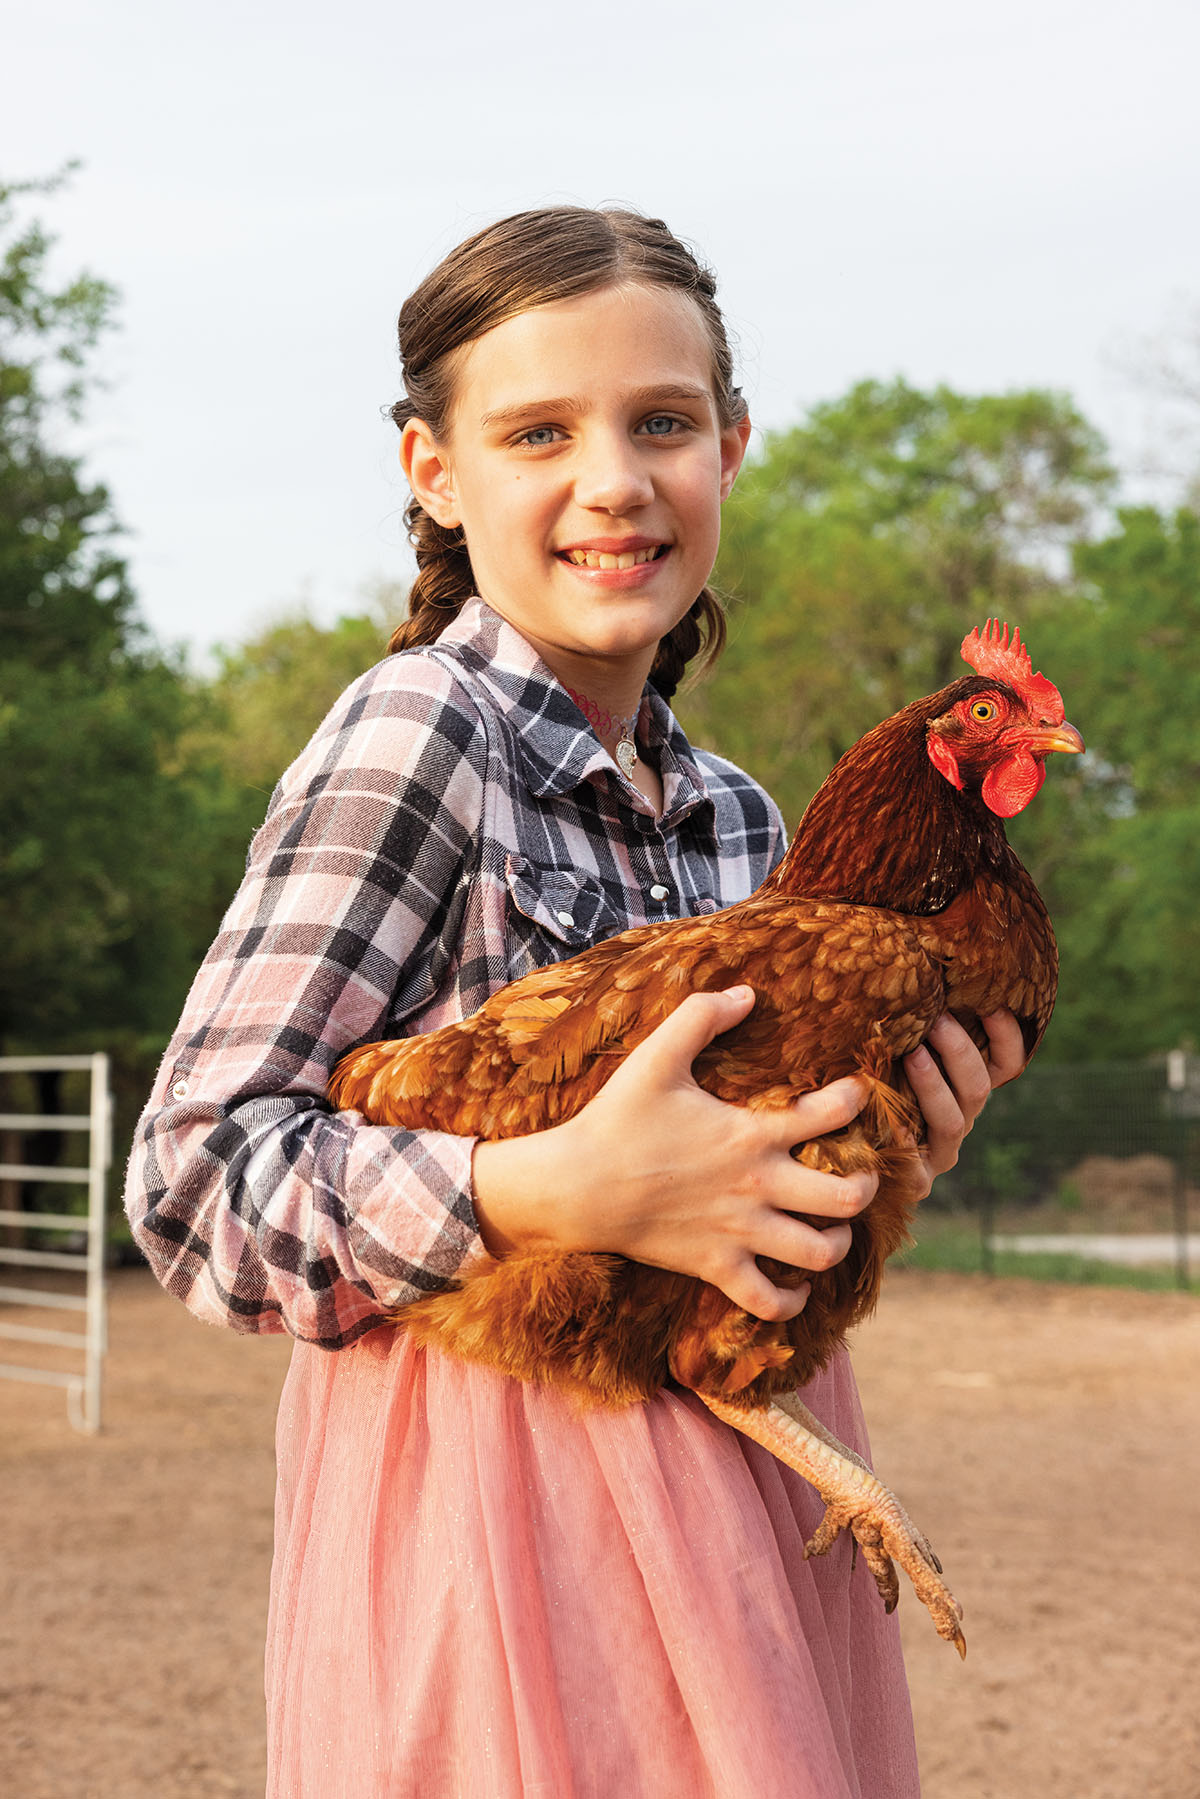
point(553, 913)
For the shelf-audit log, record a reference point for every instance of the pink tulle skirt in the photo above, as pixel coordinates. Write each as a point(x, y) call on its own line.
point(481, 1592)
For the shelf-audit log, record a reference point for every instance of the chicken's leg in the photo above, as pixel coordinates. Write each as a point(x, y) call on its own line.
point(854, 1499)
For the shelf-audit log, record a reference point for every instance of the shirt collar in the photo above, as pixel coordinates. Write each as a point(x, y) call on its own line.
point(556, 747)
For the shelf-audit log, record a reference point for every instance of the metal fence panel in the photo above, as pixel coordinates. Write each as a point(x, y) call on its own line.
point(83, 1387)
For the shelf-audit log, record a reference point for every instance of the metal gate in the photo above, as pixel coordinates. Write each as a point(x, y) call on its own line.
point(83, 1387)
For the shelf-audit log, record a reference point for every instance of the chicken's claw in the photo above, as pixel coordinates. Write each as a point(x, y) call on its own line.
point(886, 1535)
point(855, 1500)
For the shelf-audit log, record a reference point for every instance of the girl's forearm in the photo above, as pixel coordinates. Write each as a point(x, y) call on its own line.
point(525, 1193)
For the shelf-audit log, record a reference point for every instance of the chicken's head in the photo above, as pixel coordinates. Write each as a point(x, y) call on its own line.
point(1000, 727)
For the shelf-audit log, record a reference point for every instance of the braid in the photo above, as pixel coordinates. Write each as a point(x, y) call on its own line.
point(444, 580)
point(701, 631)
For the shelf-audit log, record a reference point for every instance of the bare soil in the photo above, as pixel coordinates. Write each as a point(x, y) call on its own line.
point(1044, 1436)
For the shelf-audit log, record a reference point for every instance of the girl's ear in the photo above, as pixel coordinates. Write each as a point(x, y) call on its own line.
point(735, 440)
point(427, 470)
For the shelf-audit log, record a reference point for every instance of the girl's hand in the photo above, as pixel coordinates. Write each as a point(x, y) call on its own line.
point(656, 1169)
point(953, 1095)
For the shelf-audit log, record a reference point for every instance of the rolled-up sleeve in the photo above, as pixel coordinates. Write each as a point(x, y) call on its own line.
point(255, 1203)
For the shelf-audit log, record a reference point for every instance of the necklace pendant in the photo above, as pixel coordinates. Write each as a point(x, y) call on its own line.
point(627, 757)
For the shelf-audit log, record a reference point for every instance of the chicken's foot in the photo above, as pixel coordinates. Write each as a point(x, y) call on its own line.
point(855, 1499)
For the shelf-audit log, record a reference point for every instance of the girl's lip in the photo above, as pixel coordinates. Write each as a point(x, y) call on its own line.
point(613, 546)
point(636, 576)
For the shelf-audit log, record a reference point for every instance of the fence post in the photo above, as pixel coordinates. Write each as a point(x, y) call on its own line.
point(987, 1231)
point(1183, 1273)
point(1177, 1083)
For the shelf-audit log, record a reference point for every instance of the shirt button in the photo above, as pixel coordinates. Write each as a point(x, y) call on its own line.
point(565, 918)
point(659, 892)
point(179, 1090)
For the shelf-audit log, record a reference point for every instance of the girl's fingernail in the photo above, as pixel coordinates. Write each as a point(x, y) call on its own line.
point(920, 1059)
point(739, 993)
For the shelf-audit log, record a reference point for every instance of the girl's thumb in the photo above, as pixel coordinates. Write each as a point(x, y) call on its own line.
point(694, 1023)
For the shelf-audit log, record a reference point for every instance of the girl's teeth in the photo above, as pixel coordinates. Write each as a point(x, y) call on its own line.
point(606, 559)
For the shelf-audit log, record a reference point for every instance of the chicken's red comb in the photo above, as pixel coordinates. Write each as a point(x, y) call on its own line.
point(1008, 660)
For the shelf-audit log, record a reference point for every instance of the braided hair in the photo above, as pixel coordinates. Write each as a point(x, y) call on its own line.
point(533, 259)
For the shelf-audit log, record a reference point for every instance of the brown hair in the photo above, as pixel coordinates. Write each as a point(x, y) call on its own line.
point(533, 259)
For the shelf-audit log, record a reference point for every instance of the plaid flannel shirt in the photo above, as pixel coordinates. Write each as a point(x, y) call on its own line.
point(453, 824)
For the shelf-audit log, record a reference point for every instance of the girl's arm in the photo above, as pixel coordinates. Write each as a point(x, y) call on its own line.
point(254, 1202)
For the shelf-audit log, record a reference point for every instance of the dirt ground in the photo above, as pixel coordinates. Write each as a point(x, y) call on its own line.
point(1044, 1436)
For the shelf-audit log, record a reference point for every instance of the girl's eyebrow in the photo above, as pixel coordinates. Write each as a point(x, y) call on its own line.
point(639, 396)
point(527, 409)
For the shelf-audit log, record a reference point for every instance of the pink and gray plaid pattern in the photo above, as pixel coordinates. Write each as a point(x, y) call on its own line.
point(453, 824)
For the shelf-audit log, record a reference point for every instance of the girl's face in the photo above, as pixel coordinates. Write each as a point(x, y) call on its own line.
point(586, 464)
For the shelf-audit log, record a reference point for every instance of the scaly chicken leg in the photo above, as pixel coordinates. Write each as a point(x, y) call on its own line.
point(855, 1499)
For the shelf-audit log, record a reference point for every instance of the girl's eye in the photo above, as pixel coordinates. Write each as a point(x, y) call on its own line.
point(661, 425)
point(983, 711)
point(539, 435)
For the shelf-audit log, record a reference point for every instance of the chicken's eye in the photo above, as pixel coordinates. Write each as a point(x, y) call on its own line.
point(983, 711)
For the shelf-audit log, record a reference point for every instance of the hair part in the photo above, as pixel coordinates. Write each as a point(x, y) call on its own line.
point(535, 259)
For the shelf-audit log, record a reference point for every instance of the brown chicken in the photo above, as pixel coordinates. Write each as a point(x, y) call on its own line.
point(898, 899)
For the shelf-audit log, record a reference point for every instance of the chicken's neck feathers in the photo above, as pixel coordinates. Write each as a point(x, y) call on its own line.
point(886, 829)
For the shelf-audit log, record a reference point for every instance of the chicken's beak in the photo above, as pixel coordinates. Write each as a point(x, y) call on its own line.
point(1061, 737)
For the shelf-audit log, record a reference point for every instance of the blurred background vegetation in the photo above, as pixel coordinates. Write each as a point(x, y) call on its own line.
point(858, 549)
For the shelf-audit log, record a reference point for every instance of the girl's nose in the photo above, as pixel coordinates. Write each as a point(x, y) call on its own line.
point(611, 476)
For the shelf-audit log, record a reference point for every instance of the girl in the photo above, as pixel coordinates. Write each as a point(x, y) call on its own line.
point(480, 1592)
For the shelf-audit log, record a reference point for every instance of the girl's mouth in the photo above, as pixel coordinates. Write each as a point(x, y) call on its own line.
point(613, 559)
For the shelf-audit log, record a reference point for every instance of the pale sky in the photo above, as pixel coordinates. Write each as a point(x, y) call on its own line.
point(989, 196)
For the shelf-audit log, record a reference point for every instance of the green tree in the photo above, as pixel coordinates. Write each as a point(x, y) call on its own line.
point(92, 831)
point(863, 544)
point(270, 693)
point(1117, 842)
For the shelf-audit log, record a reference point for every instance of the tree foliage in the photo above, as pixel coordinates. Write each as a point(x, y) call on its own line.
point(89, 880)
point(1117, 842)
point(62, 584)
point(269, 693)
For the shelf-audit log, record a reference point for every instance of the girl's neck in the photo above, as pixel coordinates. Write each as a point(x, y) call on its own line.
point(610, 727)
point(607, 691)
point(618, 734)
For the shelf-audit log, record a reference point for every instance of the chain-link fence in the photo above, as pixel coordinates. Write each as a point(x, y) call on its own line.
point(1083, 1171)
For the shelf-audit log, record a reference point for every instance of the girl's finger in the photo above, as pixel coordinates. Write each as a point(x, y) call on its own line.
point(801, 1245)
point(747, 1286)
point(962, 1065)
point(945, 1125)
point(1006, 1047)
point(828, 1195)
point(825, 1109)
